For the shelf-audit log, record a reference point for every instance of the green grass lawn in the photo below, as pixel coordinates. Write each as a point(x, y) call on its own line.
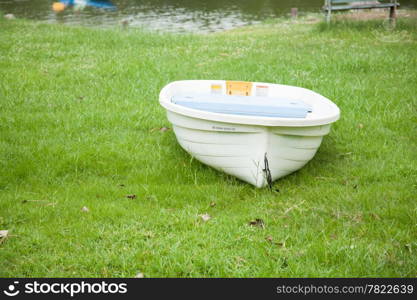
point(78, 112)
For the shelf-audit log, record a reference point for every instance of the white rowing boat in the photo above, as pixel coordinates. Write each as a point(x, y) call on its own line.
point(255, 131)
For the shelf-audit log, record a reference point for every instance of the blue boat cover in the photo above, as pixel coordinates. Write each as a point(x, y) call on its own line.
point(244, 105)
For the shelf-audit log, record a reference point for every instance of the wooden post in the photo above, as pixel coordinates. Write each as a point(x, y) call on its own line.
point(294, 12)
point(328, 5)
point(393, 14)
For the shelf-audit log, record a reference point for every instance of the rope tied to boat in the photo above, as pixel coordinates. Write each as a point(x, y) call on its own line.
point(267, 172)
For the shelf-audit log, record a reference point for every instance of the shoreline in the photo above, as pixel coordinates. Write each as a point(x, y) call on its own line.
point(302, 18)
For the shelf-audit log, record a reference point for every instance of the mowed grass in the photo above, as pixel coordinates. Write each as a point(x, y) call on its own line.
point(79, 119)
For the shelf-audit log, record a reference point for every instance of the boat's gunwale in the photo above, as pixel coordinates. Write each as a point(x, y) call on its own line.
point(165, 96)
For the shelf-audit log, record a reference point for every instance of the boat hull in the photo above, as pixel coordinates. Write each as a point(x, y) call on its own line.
point(257, 145)
point(248, 152)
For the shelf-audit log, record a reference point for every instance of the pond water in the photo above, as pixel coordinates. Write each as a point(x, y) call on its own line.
point(164, 15)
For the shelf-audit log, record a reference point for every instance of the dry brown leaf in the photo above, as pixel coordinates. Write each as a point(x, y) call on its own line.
point(212, 204)
point(360, 125)
point(279, 244)
point(258, 223)
point(131, 196)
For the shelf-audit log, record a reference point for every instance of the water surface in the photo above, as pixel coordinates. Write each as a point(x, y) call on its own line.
point(166, 15)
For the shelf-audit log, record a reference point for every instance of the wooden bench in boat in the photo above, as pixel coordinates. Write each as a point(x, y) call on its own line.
point(340, 5)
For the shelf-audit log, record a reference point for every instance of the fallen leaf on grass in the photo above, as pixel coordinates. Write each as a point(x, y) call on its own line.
point(3, 235)
point(205, 217)
point(257, 223)
point(240, 261)
point(26, 201)
point(139, 275)
point(131, 196)
point(375, 216)
point(293, 207)
point(161, 129)
point(280, 244)
point(212, 204)
point(223, 54)
point(360, 125)
point(271, 240)
point(41, 202)
point(148, 234)
point(345, 154)
point(85, 209)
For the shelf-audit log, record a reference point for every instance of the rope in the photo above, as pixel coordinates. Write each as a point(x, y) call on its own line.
point(267, 172)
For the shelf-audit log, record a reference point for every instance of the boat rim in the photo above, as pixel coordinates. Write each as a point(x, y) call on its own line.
point(165, 100)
